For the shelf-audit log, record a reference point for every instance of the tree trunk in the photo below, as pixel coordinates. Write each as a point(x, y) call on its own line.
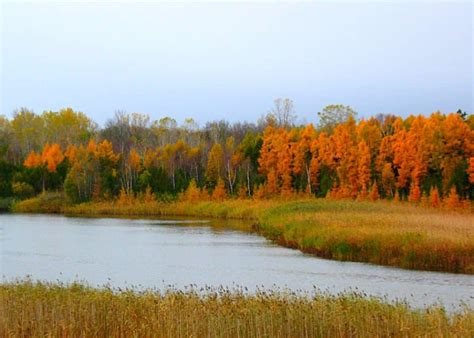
point(248, 180)
point(308, 177)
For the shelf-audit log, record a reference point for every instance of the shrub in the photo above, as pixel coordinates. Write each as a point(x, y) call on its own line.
point(49, 202)
point(22, 190)
point(6, 203)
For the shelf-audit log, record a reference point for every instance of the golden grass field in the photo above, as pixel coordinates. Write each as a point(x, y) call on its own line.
point(50, 310)
point(395, 234)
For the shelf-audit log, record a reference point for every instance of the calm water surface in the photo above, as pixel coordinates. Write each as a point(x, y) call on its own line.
point(156, 253)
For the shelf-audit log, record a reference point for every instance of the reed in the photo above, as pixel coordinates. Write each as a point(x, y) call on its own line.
point(53, 310)
point(399, 235)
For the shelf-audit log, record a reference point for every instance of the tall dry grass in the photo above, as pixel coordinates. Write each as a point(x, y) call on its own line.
point(400, 235)
point(48, 310)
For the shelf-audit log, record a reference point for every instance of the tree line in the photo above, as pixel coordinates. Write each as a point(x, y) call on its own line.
point(384, 156)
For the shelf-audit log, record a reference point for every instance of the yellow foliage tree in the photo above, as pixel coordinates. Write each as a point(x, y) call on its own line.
point(219, 194)
point(192, 193)
point(215, 165)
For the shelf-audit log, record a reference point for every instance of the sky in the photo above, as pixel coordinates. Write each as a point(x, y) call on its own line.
point(230, 61)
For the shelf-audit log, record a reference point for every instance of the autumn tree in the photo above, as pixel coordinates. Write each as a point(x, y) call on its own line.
point(276, 160)
point(27, 128)
point(333, 115)
point(219, 193)
point(192, 193)
point(452, 200)
point(249, 150)
point(470, 170)
point(388, 180)
point(323, 164)
point(302, 154)
point(47, 161)
point(345, 159)
point(458, 146)
point(232, 160)
point(172, 157)
point(415, 192)
point(285, 162)
point(105, 161)
point(67, 127)
point(374, 192)
point(133, 165)
point(435, 200)
point(79, 182)
point(52, 156)
point(215, 165)
point(363, 168)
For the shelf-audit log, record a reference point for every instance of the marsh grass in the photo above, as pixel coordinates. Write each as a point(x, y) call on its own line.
point(377, 232)
point(395, 234)
point(47, 202)
point(30, 309)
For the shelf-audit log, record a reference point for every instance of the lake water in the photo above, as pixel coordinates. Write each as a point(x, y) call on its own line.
point(157, 253)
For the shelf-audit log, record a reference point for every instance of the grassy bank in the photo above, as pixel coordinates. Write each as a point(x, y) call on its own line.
point(47, 203)
point(42, 310)
point(399, 235)
point(379, 233)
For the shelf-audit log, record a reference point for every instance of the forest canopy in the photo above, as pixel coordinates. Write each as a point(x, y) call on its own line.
point(384, 156)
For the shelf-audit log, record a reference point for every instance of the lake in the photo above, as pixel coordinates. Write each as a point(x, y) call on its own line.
point(156, 253)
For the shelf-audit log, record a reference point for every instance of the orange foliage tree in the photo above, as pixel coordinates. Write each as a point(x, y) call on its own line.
point(49, 160)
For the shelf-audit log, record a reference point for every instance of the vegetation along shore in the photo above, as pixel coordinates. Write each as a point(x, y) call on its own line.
point(43, 310)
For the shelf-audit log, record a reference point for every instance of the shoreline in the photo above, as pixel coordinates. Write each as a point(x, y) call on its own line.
point(379, 233)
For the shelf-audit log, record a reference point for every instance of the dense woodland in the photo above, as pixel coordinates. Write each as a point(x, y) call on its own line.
point(384, 156)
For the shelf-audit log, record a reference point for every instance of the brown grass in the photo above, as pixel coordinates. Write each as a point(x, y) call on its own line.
point(48, 310)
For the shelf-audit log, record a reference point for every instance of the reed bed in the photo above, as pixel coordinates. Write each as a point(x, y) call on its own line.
point(30, 309)
point(376, 232)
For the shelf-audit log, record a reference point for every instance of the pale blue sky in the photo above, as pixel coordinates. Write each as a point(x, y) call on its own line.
point(211, 61)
